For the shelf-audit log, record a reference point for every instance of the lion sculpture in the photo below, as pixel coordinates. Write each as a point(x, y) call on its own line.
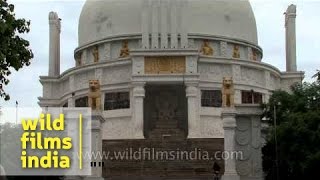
point(227, 92)
point(94, 95)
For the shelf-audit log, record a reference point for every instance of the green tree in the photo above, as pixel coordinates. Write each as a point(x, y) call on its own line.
point(317, 75)
point(297, 132)
point(14, 50)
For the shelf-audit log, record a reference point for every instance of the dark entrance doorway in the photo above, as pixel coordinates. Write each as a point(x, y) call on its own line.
point(165, 112)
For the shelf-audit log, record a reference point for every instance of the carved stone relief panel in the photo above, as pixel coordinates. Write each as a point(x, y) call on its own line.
point(214, 72)
point(248, 141)
point(117, 74)
point(223, 49)
point(165, 65)
point(107, 51)
point(236, 73)
point(252, 76)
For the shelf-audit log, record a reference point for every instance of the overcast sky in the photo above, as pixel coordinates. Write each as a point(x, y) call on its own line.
point(25, 87)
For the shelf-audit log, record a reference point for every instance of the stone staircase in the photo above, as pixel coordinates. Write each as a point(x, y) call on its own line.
point(162, 155)
point(167, 130)
point(166, 168)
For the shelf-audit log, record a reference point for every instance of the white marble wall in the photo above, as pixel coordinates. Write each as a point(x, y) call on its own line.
point(116, 74)
point(251, 76)
point(214, 72)
point(211, 125)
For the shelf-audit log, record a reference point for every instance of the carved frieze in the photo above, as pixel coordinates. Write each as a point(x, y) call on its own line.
point(252, 76)
point(79, 59)
point(165, 65)
point(95, 54)
point(206, 49)
point(124, 51)
point(248, 141)
point(223, 48)
point(243, 168)
point(236, 51)
point(116, 75)
point(214, 72)
point(243, 138)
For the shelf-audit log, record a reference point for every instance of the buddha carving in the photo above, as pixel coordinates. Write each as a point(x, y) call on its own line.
point(125, 52)
point(206, 49)
point(227, 92)
point(94, 96)
point(236, 51)
point(95, 54)
point(254, 55)
point(79, 60)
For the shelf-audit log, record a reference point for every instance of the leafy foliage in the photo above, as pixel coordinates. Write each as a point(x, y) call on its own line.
point(14, 50)
point(317, 75)
point(298, 133)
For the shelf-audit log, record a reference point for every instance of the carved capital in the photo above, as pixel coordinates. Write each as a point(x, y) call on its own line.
point(191, 91)
point(229, 118)
point(138, 89)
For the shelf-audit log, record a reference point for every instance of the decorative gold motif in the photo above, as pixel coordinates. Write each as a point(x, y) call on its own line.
point(236, 51)
point(206, 49)
point(254, 55)
point(124, 52)
point(227, 92)
point(165, 65)
point(95, 54)
point(94, 95)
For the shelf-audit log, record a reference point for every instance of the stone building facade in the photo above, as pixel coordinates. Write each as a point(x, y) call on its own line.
point(161, 64)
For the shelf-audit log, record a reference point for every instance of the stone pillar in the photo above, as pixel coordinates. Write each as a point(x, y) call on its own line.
point(145, 25)
point(229, 125)
point(96, 144)
point(290, 24)
point(174, 25)
point(193, 119)
point(138, 97)
point(164, 24)
point(155, 24)
point(54, 44)
point(184, 24)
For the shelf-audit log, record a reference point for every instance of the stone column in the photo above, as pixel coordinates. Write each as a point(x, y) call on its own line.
point(54, 44)
point(155, 25)
point(145, 15)
point(164, 24)
point(290, 24)
point(229, 125)
point(138, 97)
point(174, 25)
point(96, 144)
point(193, 119)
